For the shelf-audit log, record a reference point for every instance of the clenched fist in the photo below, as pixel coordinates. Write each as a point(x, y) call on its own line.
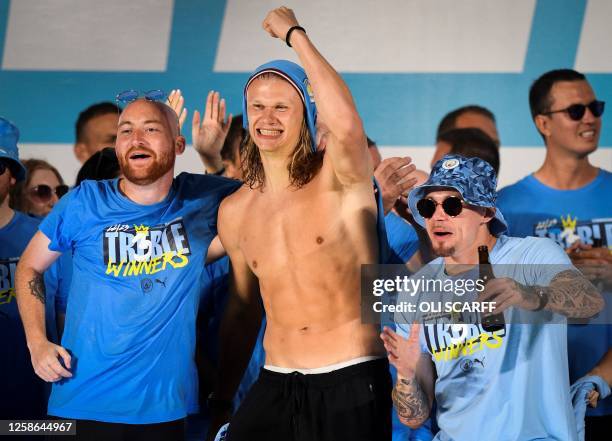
point(278, 22)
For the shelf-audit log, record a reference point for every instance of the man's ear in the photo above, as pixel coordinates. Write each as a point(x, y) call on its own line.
point(542, 123)
point(179, 145)
point(489, 214)
point(80, 151)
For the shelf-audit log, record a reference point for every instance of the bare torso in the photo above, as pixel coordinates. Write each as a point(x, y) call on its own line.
point(306, 248)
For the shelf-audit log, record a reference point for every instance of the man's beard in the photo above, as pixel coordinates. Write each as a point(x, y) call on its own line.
point(145, 176)
point(443, 251)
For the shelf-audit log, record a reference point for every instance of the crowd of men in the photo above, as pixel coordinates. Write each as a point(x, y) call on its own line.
point(160, 307)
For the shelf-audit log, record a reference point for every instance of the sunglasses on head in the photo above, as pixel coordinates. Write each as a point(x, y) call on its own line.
point(43, 192)
point(127, 96)
point(576, 111)
point(452, 205)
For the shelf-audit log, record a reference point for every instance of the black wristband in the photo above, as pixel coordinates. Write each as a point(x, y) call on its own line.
point(543, 299)
point(291, 29)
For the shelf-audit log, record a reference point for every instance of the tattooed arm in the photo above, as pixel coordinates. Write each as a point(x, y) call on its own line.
point(569, 293)
point(413, 395)
point(413, 392)
point(30, 293)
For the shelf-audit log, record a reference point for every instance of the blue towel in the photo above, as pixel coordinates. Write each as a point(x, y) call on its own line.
point(579, 392)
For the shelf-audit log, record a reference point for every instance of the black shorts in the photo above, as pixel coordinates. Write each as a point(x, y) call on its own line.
point(352, 404)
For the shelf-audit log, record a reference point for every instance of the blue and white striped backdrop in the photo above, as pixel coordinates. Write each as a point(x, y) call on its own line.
point(407, 62)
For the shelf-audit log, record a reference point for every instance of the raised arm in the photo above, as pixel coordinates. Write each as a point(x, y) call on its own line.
point(414, 389)
point(30, 292)
point(346, 139)
point(208, 133)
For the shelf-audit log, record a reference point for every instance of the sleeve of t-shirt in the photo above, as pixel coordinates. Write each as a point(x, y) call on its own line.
point(402, 238)
point(61, 225)
point(215, 188)
point(225, 188)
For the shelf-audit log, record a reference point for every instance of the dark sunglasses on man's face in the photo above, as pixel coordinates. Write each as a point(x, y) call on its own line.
point(576, 111)
point(452, 205)
point(44, 193)
point(3, 167)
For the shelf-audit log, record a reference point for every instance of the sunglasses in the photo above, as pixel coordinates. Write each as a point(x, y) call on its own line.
point(3, 167)
point(44, 193)
point(576, 111)
point(127, 96)
point(452, 205)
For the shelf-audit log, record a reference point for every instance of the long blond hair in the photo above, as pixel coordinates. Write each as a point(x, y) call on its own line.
point(302, 167)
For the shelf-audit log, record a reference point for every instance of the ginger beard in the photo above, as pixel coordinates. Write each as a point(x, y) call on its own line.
point(139, 175)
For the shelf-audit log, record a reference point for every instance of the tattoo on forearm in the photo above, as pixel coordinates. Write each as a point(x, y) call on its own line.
point(529, 293)
point(572, 295)
point(410, 401)
point(37, 287)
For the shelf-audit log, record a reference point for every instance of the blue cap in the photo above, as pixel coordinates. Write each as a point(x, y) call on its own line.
point(9, 135)
point(296, 76)
point(473, 178)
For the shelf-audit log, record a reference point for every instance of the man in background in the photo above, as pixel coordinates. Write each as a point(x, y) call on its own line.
point(22, 394)
point(472, 116)
point(96, 128)
point(568, 200)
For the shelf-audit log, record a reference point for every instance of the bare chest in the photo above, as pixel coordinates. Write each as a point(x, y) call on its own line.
point(281, 233)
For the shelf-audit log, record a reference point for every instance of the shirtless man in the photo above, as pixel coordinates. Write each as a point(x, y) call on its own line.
point(297, 234)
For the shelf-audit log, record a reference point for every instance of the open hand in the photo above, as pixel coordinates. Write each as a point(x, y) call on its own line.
point(403, 353)
point(208, 135)
point(176, 102)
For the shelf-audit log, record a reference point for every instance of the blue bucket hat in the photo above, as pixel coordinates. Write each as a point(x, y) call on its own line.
point(9, 135)
point(296, 76)
point(473, 178)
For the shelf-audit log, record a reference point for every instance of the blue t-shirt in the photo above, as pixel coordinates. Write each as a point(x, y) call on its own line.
point(402, 238)
point(22, 392)
point(511, 384)
point(130, 318)
point(534, 209)
point(57, 280)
